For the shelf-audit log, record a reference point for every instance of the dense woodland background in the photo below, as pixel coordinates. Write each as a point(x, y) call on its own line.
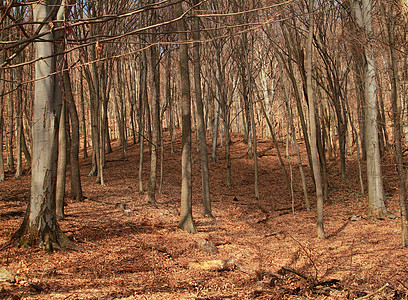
point(324, 81)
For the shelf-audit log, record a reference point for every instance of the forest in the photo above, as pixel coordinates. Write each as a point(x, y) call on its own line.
point(201, 149)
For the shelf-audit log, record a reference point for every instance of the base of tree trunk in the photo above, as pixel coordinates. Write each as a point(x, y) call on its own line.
point(49, 240)
point(377, 213)
point(208, 214)
point(187, 224)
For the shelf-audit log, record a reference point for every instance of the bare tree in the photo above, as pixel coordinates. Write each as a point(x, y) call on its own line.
point(376, 206)
point(186, 214)
point(40, 223)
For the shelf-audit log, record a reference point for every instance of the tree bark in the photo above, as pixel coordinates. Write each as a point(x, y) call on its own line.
point(155, 132)
point(186, 213)
point(376, 206)
point(19, 123)
point(62, 162)
point(76, 187)
point(396, 112)
point(312, 125)
point(205, 184)
point(40, 224)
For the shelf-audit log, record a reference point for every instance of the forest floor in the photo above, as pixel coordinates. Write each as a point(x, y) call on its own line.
point(252, 249)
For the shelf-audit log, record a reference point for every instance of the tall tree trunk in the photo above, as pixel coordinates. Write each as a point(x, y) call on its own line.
point(169, 100)
point(84, 128)
point(40, 224)
point(62, 163)
point(249, 61)
point(155, 111)
point(376, 206)
point(142, 112)
point(205, 184)
point(293, 132)
point(19, 123)
point(186, 212)
point(76, 187)
point(397, 125)
point(2, 175)
point(312, 125)
point(10, 145)
point(215, 128)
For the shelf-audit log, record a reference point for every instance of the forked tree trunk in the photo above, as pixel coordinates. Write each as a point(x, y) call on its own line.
point(40, 223)
point(186, 212)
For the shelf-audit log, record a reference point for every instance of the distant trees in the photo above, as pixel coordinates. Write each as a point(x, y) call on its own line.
point(311, 76)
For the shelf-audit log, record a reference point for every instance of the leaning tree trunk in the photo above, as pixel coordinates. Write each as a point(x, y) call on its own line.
point(186, 212)
point(40, 223)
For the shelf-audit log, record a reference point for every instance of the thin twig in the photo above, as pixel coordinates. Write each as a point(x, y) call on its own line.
point(308, 255)
point(373, 293)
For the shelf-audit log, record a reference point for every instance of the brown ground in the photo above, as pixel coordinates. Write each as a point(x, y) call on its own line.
point(267, 251)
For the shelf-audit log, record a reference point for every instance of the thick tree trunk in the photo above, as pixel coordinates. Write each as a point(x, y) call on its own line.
point(40, 223)
point(186, 213)
point(376, 206)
